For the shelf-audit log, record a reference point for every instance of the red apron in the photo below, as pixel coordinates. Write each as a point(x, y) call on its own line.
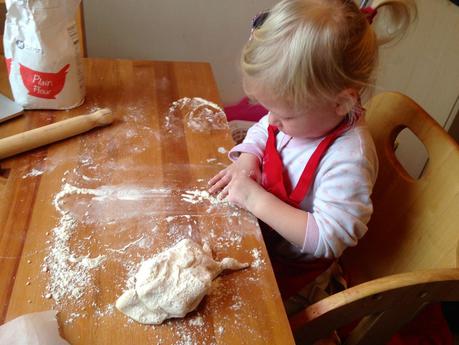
point(291, 275)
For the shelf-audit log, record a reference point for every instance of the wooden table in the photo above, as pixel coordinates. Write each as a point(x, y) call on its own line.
point(77, 217)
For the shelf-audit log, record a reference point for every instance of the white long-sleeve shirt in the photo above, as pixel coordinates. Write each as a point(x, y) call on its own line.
point(338, 203)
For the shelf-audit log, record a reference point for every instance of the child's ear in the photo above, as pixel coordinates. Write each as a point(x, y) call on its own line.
point(345, 101)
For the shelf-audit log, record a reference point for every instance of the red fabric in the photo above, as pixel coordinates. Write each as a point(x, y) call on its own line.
point(307, 178)
point(429, 327)
point(245, 111)
point(273, 179)
point(292, 276)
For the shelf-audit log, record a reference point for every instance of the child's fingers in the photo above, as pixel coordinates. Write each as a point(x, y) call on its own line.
point(213, 189)
point(217, 177)
point(219, 184)
point(224, 193)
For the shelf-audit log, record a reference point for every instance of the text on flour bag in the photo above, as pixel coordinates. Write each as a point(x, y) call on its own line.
point(42, 53)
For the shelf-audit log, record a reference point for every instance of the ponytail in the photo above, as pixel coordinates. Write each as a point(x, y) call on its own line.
point(393, 18)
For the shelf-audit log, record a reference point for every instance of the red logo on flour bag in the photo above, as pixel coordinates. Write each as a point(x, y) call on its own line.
point(43, 84)
point(8, 64)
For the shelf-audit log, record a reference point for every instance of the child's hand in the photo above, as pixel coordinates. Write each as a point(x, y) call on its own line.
point(242, 191)
point(246, 165)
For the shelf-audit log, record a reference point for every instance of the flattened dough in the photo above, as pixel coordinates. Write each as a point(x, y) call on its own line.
point(173, 283)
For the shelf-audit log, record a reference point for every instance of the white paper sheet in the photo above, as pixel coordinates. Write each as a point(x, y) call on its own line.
point(32, 329)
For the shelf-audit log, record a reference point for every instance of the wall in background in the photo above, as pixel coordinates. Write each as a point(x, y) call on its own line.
point(198, 30)
point(424, 66)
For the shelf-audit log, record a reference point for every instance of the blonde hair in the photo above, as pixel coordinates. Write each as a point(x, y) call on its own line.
point(307, 50)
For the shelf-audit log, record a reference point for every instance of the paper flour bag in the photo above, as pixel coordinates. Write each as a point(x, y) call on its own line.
point(42, 53)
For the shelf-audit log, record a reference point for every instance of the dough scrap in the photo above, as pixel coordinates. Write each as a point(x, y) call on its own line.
point(173, 283)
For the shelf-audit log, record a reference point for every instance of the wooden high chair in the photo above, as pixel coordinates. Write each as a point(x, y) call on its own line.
point(409, 257)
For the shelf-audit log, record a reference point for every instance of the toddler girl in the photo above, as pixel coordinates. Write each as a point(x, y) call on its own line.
point(307, 168)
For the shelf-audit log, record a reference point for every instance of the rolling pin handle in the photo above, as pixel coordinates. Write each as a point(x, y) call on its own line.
point(102, 117)
point(51, 133)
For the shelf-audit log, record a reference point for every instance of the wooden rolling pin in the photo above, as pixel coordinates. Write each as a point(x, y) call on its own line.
point(48, 134)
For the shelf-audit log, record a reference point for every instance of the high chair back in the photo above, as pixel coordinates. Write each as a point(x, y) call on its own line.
point(409, 256)
point(414, 225)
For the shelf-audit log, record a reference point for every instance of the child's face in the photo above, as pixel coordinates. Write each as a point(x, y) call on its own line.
point(313, 121)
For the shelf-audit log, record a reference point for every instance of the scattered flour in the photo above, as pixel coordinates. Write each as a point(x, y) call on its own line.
point(105, 193)
point(141, 242)
point(69, 274)
point(197, 321)
point(197, 196)
point(33, 172)
point(257, 259)
point(103, 204)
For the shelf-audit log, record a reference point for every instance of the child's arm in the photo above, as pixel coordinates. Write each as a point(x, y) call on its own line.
point(288, 221)
point(254, 142)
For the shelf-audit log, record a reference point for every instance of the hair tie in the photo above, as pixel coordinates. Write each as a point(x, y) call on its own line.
point(258, 21)
point(370, 13)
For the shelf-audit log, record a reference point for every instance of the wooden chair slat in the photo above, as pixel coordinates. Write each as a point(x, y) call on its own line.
point(404, 293)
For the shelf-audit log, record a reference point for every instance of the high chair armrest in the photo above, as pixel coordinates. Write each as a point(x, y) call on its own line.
point(385, 303)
